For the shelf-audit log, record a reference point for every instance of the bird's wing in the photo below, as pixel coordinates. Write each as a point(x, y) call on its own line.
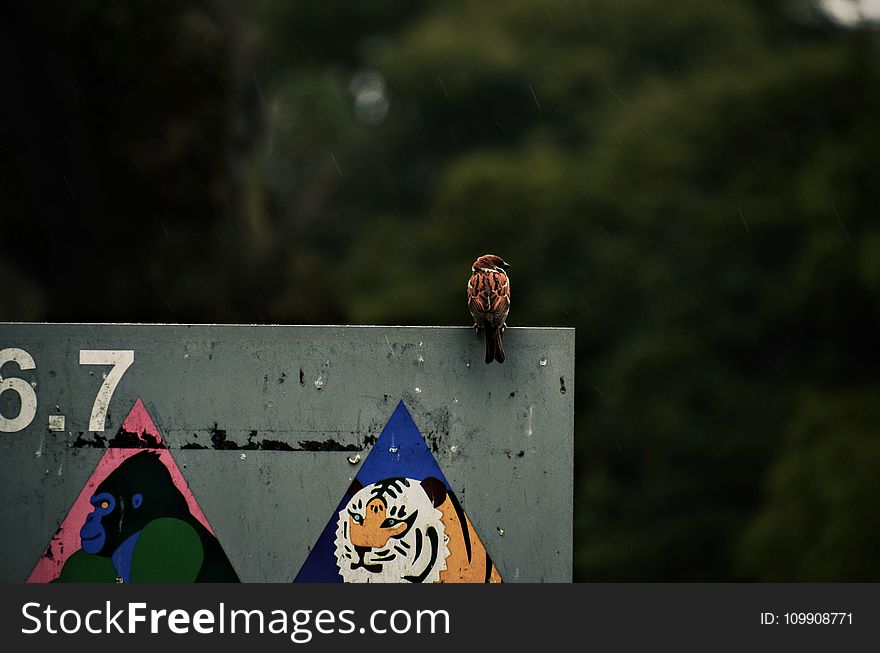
point(475, 300)
point(500, 298)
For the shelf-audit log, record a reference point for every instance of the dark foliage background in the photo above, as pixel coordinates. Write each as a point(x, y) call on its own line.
point(692, 184)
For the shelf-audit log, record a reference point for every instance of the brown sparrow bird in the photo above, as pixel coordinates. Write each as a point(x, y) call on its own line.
point(489, 302)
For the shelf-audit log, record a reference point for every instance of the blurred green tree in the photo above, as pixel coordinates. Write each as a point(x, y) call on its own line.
point(690, 184)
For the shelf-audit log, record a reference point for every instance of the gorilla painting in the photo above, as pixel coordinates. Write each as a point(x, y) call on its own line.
point(141, 530)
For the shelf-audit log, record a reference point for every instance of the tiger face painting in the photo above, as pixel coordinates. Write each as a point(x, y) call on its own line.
point(402, 530)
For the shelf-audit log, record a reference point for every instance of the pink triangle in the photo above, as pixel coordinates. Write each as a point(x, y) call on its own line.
point(66, 539)
point(139, 424)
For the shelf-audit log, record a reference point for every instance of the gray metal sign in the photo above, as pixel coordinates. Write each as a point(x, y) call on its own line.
point(270, 427)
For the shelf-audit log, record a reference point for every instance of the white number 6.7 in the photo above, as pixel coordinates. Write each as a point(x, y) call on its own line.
point(121, 360)
point(24, 390)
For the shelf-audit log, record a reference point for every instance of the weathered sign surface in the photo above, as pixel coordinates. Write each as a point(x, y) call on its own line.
point(270, 453)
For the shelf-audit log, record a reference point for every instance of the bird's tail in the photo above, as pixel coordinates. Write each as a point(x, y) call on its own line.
point(494, 346)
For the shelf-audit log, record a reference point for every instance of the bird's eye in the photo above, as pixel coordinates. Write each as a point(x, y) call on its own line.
point(105, 504)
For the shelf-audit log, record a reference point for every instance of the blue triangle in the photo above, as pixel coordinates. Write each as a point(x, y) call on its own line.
point(400, 451)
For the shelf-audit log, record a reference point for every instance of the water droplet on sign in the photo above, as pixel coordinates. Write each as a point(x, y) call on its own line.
point(543, 362)
point(354, 460)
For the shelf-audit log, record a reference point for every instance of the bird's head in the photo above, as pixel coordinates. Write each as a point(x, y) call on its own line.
point(490, 262)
